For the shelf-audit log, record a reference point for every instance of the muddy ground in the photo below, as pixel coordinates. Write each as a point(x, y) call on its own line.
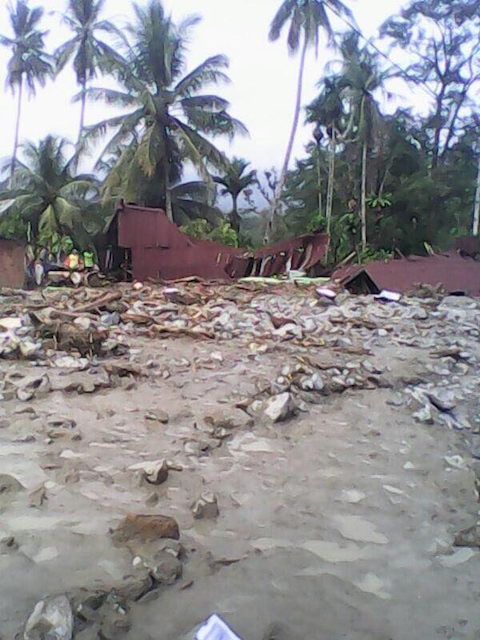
point(337, 521)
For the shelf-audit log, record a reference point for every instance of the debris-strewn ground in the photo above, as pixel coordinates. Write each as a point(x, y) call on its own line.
point(302, 468)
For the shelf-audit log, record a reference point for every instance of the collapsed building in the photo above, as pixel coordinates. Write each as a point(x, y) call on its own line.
point(457, 274)
point(154, 248)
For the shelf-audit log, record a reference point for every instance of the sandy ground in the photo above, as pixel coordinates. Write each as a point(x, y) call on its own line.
point(337, 523)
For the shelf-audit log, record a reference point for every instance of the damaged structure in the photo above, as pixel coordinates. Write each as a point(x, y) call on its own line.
point(455, 273)
point(156, 248)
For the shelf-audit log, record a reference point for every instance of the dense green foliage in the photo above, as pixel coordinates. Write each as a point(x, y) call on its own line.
point(378, 180)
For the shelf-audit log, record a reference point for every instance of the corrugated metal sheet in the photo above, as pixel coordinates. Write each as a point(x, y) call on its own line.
point(453, 272)
point(161, 250)
point(12, 264)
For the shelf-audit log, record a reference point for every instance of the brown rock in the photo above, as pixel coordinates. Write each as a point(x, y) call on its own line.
point(146, 528)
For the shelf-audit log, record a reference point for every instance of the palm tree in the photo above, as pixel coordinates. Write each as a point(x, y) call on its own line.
point(169, 116)
point(234, 182)
point(90, 54)
point(123, 181)
point(362, 77)
point(48, 195)
point(30, 64)
point(328, 111)
point(305, 19)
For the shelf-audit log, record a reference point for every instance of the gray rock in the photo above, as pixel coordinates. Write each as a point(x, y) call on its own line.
point(166, 570)
point(115, 623)
point(312, 383)
point(442, 399)
point(133, 587)
point(155, 472)
point(280, 408)
point(424, 415)
point(206, 507)
point(158, 416)
point(52, 619)
point(10, 488)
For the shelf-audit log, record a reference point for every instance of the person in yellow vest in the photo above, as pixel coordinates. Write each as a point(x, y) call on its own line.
point(89, 260)
point(73, 261)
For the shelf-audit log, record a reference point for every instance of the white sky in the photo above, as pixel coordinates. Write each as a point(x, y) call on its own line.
point(263, 76)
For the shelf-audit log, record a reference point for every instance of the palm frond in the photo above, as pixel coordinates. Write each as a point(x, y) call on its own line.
point(209, 72)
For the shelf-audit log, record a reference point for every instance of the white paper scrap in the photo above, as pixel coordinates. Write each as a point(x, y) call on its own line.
point(389, 296)
point(216, 629)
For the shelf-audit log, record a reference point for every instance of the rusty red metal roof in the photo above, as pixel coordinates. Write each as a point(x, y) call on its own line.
point(454, 272)
point(161, 250)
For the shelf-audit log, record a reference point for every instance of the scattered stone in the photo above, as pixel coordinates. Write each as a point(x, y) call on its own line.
point(145, 528)
point(134, 586)
point(158, 416)
point(443, 399)
point(206, 507)
point(424, 415)
point(457, 558)
point(393, 490)
point(152, 472)
point(166, 569)
point(52, 619)
point(38, 497)
point(457, 462)
point(312, 383)
point(280, 408)
point(352, 496)
point(469, 537)
point(10, 488)
point(115, 623)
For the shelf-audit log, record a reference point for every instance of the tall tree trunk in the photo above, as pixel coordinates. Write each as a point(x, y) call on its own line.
point(83, 108)
point(364, 195)
point(476, 210)
point(168, 194)
point(17, 130)
point(234, 217)
point(331, 180)
point(319, 183)
point(291, 142)
point(438, 128)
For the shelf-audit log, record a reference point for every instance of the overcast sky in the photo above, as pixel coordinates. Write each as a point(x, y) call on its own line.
point(262, 93)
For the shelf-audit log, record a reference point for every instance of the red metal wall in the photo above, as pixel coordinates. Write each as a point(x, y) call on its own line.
point(12, 264)
point(161, 250)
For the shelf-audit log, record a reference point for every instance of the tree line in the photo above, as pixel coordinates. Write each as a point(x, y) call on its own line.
point(376, 182)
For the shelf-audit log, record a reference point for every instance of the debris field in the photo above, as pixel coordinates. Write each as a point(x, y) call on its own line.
point(302, 466)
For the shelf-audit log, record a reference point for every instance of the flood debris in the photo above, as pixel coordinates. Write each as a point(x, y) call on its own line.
point(255, 398)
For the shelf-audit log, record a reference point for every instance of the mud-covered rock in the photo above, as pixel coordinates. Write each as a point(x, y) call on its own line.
point(145, 528)
point(206, 507)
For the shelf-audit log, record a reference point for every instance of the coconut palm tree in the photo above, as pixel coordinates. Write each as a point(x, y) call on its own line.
point(305, 20)
point(362, 77)
point(123, 181)
point(169, 116)
point(89, 53)
point(327, 111)
point(30, 64)
point(234, 182)
point(48, 195)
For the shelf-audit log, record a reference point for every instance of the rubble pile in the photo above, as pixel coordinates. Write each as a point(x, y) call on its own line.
point(194, 391)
